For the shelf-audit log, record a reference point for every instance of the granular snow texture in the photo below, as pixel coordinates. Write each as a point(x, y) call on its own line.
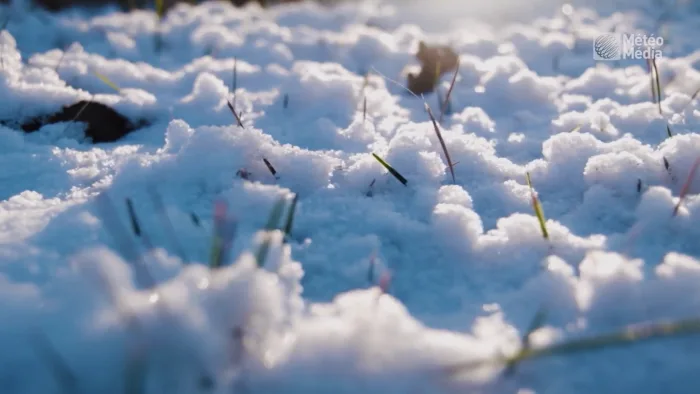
point(468, 265)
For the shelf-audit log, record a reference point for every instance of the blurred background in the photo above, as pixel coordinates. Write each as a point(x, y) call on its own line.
point(423, 12)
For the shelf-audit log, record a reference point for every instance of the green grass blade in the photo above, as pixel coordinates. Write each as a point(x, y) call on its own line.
point(630, 335)
point(107, 81)
point(539, 212)
point(160, 8)
point(391, 170)
point(290, 217)
point(273, 223)
point(275, 215)
point(217, 245)
point(577, 128)
point(536, 323)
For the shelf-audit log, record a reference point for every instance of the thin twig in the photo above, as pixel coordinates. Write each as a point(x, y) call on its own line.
point(235, 114)
point(443, 108)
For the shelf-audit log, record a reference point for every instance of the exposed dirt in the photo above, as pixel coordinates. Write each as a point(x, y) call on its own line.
point(104, 124)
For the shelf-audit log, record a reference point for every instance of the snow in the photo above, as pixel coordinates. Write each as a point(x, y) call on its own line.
point(469, 267)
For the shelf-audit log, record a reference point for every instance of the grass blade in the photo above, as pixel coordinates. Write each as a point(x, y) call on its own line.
point(630, 335)
point(77, 115)
point(64, 375)
point(217, 241)
point(160, 9)
point(136, 226)
point(652, 83)
point(385, 282)
point(273, 222)
point(370, 189)
point(132, 216)
point(576, 128)
point(157, 202)
point(195, 219)
point(655, 84)
point(233, 111)
point(111, 222)
point(136, 370)
point(656, 91)
point(536, 323)
point(451, 165)
point(224, 234)
point(365, 83)
point(443, 108)
point(686, 185)
point(539, 212)
point(692, 98)
point(667, 166)
point(391, 170)
point(290, 217)
point(107, 81)
point(270, 168)
point(372, 267)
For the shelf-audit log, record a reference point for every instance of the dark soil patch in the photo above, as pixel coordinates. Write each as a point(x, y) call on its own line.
point(104, 124)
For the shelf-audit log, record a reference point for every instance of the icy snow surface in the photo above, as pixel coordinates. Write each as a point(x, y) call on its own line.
point(469, 267)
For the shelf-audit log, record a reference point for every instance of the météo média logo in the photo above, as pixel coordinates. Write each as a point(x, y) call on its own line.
point(620, 46)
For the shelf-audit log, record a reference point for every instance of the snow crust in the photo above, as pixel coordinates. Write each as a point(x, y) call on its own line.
point(469, 267)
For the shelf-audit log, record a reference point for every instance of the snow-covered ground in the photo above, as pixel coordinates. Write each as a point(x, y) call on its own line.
point(467, 263)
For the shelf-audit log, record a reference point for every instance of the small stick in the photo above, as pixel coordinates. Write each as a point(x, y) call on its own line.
point(442, 142)
point(135, 225)
point(370, 189)
point(195, 219)
point(271, 168)
point(686, 185)
point(233, 110)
